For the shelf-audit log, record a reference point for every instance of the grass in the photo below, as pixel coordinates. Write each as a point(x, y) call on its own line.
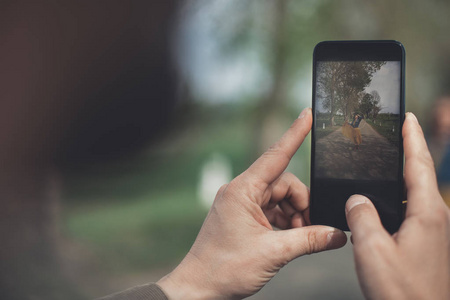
point(324, 119)
point(387, 126)
point(141, 233)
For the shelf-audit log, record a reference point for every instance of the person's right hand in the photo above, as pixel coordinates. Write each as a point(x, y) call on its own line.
point(414, 263)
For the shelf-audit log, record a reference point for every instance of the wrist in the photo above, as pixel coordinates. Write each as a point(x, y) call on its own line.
point(189, 280)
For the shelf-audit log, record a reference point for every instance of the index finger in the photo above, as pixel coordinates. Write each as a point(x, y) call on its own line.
point(274, 161)
point(420, 176)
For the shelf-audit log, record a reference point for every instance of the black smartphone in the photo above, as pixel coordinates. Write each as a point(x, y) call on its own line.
point(357, 147)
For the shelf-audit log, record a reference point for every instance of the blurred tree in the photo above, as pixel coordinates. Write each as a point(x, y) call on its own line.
point(376, 107)
point(248, 27)
point(80, 83)
point(329, 75)
point(368, 105)
point(422, 27)
point(270, 107)
point(277, 32)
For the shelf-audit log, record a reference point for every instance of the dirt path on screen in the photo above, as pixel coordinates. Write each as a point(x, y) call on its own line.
point(337, 156)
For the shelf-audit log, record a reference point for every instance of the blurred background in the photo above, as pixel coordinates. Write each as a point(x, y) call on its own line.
point(120, 121)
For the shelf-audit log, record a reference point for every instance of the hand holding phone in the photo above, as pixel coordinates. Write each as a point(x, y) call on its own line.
point(358, 107)
point(415, 262)
point(237, 251)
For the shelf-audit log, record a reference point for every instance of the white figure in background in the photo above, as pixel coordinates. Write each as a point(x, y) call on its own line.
point(215, 172)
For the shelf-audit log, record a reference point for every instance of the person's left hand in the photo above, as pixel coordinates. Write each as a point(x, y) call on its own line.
point(237, 251)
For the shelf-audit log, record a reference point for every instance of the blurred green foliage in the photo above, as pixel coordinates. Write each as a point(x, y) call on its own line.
point(387, 126)
point(144, 212)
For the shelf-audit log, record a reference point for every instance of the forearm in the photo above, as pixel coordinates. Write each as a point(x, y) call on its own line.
point(151, 291)
point(189, 280)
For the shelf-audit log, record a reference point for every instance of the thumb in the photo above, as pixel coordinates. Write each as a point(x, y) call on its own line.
point(292, 243)
point(363, 219)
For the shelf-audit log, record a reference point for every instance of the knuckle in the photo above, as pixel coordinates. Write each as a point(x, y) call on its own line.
point(435, 218)
point(424, 157)
point(277, 150)
point(423, 161)
point(233, 185)
point(290, 178)
point(425, 221)
point(252, 189)
point(442, 216)
point(272, 149)
point(422, 165)
point(252, 185)
point(294, 184)
point(226, 190)
point(221, 190)
point(374, 243)
point(442, 209)
point(312, 242)
point(224, 186)
point(289, 175)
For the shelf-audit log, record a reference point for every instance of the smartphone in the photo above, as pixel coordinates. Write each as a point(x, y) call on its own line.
point(357, 147)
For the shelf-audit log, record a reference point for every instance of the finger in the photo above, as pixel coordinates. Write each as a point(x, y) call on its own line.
point(289, 188)
point(275, 160)
point(289, 244)
point(420, 178)
point(297, 220)
point(277, 218)
point(363, 219)
point(305, 215)
point(287, 208)
point(294, 217)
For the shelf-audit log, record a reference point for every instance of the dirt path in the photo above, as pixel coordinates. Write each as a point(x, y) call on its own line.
point(336, 156)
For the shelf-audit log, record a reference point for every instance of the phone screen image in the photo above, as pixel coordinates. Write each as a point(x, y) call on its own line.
point(357, 120)
point(357, 146)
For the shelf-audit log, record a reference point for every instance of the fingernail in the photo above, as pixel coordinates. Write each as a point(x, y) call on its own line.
point(412, 116)
point(303, 113)
point(335, 239)
point(354, 201)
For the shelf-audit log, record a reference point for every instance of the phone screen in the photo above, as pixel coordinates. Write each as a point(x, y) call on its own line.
point(357, 145)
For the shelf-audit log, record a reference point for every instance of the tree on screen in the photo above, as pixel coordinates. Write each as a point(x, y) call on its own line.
point(376, 104)
point(341, 85)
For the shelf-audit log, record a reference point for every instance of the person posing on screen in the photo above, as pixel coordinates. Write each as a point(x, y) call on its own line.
point(352, 132)
point(356, 120)
point(237, 251)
